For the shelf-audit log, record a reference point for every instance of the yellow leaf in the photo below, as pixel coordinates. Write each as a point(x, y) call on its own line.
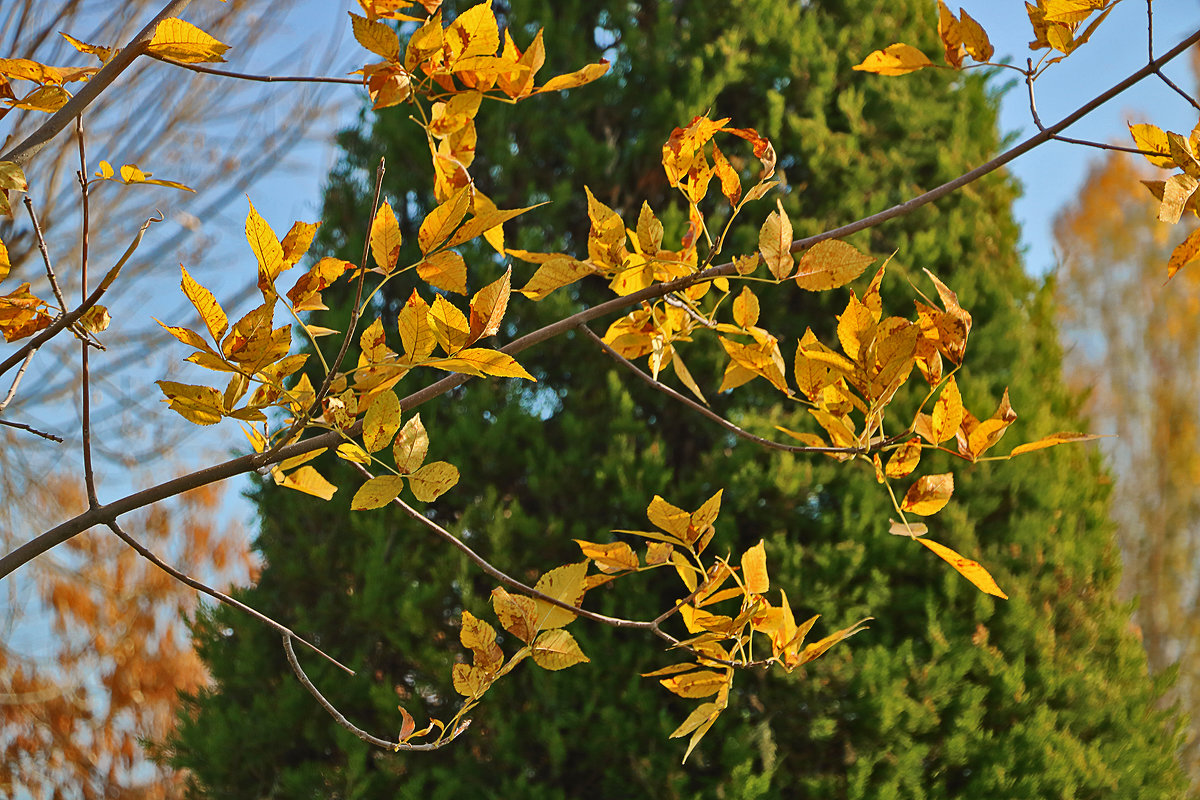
point(308, 480)
point(974, 37)
point(102, 53)
point(947, 412)
point(1177, 191)
point(856, 331)
point(557, 649)
point(517, 614)
point(377, 492)
point(971, 570)
point(556, 273)
point(1154, 139)
point(445, 270)
point(305, 295)
point(701, 683)
point(929, 494)
point(745, 308)
point(469, 680)
point(6, 264)
point(450, 326)
point(12, 177)
point(433, 480)
point(416, 335)
point(385, 235)
point(480, 638)
point(201, 405)
point(376, 36)
point(297, 241)
point(411, 446)
point(352, 452)
point(488, 307)
point(381, 422)
point(574, 79)
point(649, 230)
point(441, 222)
point(564, 584)
point(474, 33)
point(830, 264)
point(182, 41)
point(905, 459)
point(672, 519)
point(775, 241)
point(479, 361)
point(1063, 437)
point(1184, 253)
point(754, 569)
point(613, 557)
point(896, 59)
point(267, 249)
point(95, 319)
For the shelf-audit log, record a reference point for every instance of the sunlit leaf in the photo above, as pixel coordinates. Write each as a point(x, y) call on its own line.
point(377, 492)
point(182, 41)
point(896, 59)
point(830, 264)
point(971, 570)
point(556, 649)
point(433, 480)
point(929, 494)
point(564, 584)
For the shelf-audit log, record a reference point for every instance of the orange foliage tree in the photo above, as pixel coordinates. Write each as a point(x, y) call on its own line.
point(300, 384)
point(99, 658)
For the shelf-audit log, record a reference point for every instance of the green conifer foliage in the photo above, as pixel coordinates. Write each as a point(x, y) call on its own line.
point(949, 693)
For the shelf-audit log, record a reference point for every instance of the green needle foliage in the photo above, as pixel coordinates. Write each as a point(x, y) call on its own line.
point(949, 693)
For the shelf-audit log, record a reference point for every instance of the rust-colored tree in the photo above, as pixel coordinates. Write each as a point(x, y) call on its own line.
point(679, 279)
point(93, 659)
point(1135, 345)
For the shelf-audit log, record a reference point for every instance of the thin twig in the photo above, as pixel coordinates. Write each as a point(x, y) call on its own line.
point(41, 243)
point(350, 726)
point(250, 462)
point(244, 76)
point(85, 377)
point(712, 415)
point(71, 317)
point(24, 427)
point(203, 588)
point(12, 390)
point(1181, 92)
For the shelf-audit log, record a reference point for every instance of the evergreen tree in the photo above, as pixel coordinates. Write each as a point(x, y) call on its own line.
point(949, 694)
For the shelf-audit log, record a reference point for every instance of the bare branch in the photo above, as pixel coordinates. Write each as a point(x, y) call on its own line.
point(245, 76)
point(220, 596)
point(24, 427)
point(350, 726)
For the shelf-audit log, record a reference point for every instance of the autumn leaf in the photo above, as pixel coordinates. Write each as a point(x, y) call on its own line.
point(754, 569)
point(433, 480)
point(377, 492)
point(564, 584)
point(307, 480)
point(556, 649)
point(198, 404)
point(612, 557)
point(479, 361)
point(444, 270)
point(266, 248)
point(376, 36)
point(182, 41)
point(830, 264)
point(554, 274)
point(947, 412)
point(1063, 437)
point(411, 446)
point(488, 307)
point(896, 59)
point(701, 683)
point(929, 494)
point(517, 614)
point(385, 237)
point(905, 459)
point(775, 241)
point(971, 570)
point(381, 421)
point(441, 222)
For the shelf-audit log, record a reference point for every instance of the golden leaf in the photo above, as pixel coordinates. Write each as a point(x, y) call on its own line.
point(896, 59)
point(381, 422)
point(971, 570)
point(201, 405)
point(441, 222)
point(754, 569)
point(450, 326)
point(556, 649)
point(411, 446)
point(376, 36)
point(574, 79)
point(433, 480)
point(775, 241)
point(905, 459)
point(385, 236)
point(479, 361)
point(517, 614)
point(745, 308)
point(556, 273)
point(700, 683)
point(564, 584)
point(1063, 437)
point(830, 264)
point(446, 270)
point(929, 494)
point(308, 480)
point(182, 41)
point(267, 249)
point(488, 307)
point(947, 412)
point(612, 557)
point(377, 492)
